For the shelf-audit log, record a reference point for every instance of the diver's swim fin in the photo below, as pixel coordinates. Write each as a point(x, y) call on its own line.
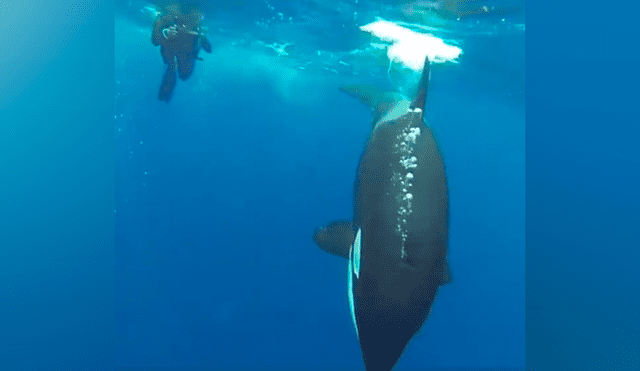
point(168, 83)
point(206, 45)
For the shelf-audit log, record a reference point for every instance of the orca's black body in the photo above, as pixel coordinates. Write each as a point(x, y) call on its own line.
point(397, 242)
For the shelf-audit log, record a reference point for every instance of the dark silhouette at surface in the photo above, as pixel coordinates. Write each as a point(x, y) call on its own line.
point(422, 10)
point(180, 38)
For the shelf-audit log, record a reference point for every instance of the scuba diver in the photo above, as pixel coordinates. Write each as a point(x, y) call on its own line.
point(180, 38)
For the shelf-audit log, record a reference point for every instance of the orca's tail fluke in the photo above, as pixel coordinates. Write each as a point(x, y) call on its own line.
point(423, 87)
point(371, 96)
point(379, 100)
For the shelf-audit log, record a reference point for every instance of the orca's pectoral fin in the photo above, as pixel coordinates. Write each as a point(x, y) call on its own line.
point(336, 238)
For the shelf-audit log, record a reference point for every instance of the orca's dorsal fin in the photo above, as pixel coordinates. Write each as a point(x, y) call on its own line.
point(423, 87)
point(336, 238)
point(379, 100)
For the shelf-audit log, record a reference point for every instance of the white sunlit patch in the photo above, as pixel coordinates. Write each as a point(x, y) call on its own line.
point(150, 11)
point(279, 48)
point(409, 47)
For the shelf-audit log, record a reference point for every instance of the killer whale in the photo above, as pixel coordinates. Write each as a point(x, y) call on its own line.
point(397, 242)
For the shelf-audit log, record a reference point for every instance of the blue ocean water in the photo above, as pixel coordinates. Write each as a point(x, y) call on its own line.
point(218, 192)
point(57, 183)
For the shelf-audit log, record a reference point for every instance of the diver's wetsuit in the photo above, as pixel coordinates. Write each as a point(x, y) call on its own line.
point(180, 39)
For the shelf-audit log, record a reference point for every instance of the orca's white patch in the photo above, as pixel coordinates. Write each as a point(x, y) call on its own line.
point(352, 309)
point(354, 268)
point(356, 254)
